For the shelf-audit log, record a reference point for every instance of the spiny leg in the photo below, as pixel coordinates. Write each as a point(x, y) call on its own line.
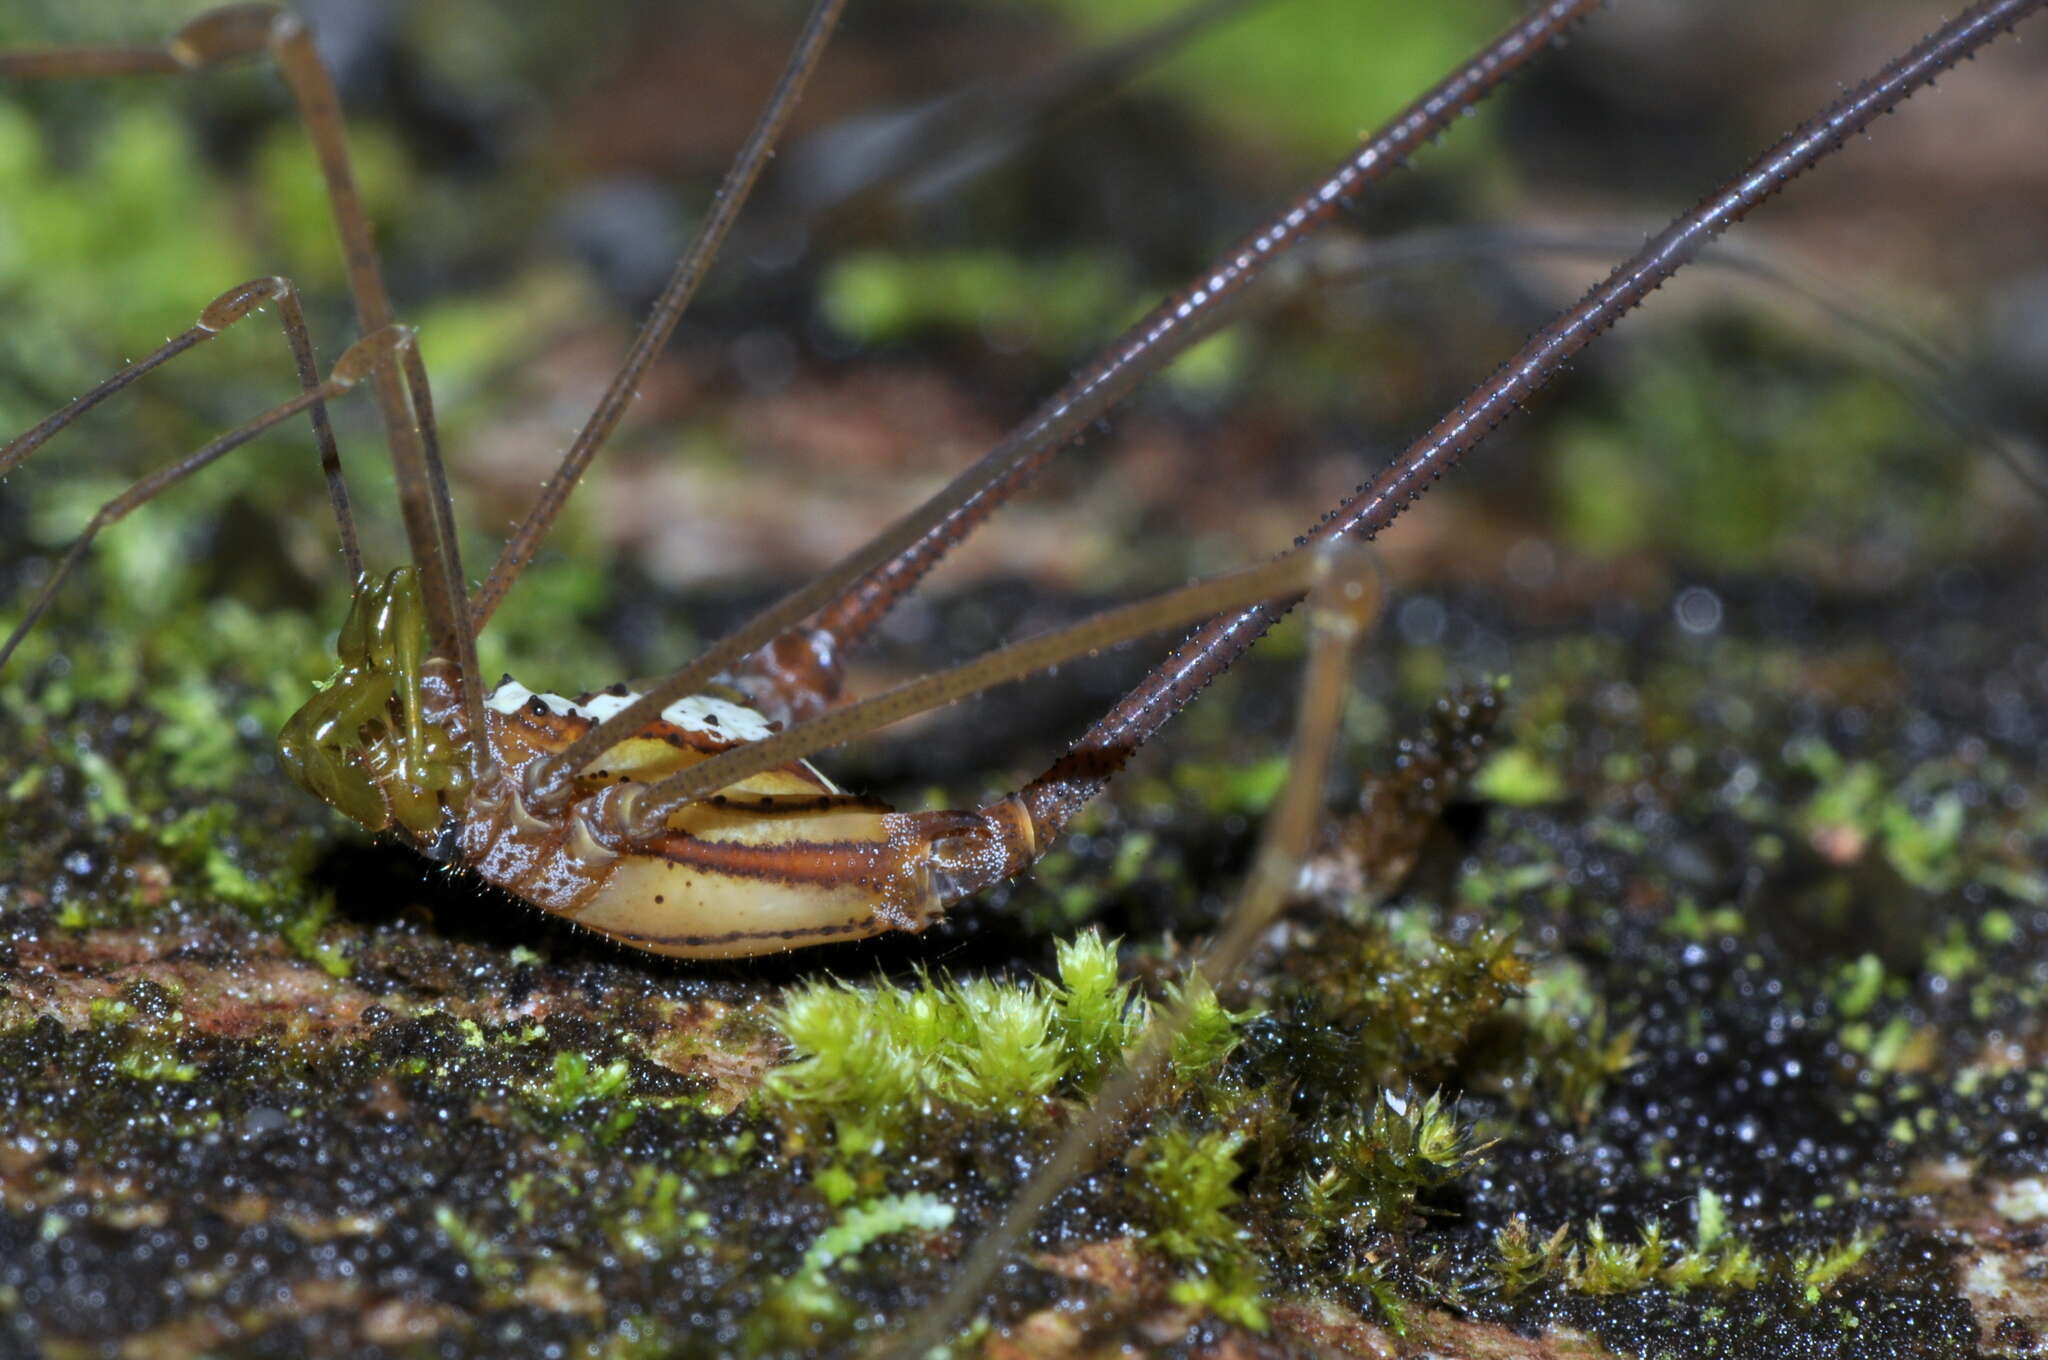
point(1923, 370)
point(236, 32)
point(1081, 773)
point(668, 310)
point(242, 300)
point(951, 141)
point(1341, 607)
point(697, 259)
point(378, 350)
point(641, 811)
point(1375, 506)
point(859, 590)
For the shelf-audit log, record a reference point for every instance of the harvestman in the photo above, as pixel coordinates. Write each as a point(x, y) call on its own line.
point(679, 821)
point(600, 811)
point(687, 820)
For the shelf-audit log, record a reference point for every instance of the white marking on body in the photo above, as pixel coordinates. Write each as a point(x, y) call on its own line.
point(694, 713)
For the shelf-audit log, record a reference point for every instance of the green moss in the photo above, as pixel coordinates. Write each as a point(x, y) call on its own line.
point(873, 1058)
point(1497, 887)
point(1924, 849)
point(1208, 1032)
point(1690, 921)
point(1188, 1180)
point(863, 1224)
point(197, 737)
point(1821, 1270)
point(650, 1221)
point(1375, 1165)
point(1859, 986)
point(1212, 364)
point(153, 723)
point(154, 1059)
point(306, 931)
point(1717, 1260)
point(493, 1270)
point(1094, 1006)
point(1404, 999)
point(1851, 799)
point(107, 791)
point(194, 842)
point(1955, 955)
point(641, 1210)
point(1556, 1044)
point(879, 1053)
point(145, 1028)
point(575, 1082)
point(1997, 928)
point(1899, 1045)
point(1232, 788)
point(1612, 1266)
point(294, 194)
point(1918, 822)
point(1002, 1054)
point(139, 222)
point(1519, 777)
point(1215, 788)
point(1522, 1261)
point(793, 1311)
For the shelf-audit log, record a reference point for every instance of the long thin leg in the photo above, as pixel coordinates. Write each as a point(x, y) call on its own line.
point(401, 390)
point(17, 450)
point(668, 310)
point(235, 32)
point(365, 357)
point(1080, 774)
point(1213, 648)
point(860, 589)
point(644, 809)
point(1342, 606)
point(293, 317)
point(950, 142)
point(703, 250)
point(224, 311)
point(1921, 369)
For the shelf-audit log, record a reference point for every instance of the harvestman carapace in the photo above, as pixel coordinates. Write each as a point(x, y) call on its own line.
point(685, 819)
